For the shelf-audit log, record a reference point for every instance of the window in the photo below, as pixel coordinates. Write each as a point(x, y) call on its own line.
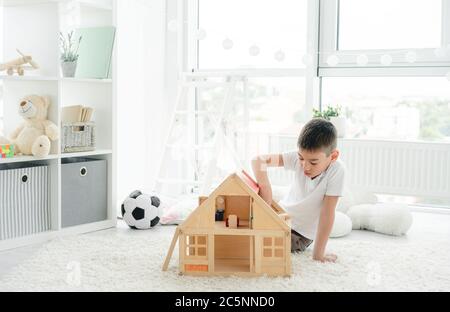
point(196, 246)
point(386, 24)
point(252, 34)
point(262, 112)
point(273, 247)
point(384, 34)
point(267, 42)
point(399, 108)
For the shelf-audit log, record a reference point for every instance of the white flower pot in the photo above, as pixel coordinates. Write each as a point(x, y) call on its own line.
point(69, 69)
point(341, 125)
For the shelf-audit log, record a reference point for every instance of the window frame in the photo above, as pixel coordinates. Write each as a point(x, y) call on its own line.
point(192, 48)
point(188, 62)
point(426, 64)
point(196, 246)
point(273, 248)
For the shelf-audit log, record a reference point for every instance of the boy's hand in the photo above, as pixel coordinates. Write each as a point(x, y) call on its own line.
point(326, 222)
point(326, 258)
point(260, 165)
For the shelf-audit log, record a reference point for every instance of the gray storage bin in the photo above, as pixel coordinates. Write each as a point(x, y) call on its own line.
point(24, 200)
point(84, 185)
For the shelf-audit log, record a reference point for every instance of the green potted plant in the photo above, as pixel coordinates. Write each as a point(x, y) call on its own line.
point(69, 53)
point(334, 115)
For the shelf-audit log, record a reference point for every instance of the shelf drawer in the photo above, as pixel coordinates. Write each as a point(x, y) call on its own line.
point(24, 201)
point(84, 194)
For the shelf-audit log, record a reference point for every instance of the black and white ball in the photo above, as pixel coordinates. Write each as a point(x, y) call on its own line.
point(141, 211)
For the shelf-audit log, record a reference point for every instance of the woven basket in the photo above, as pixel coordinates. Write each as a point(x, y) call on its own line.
point(78, 137)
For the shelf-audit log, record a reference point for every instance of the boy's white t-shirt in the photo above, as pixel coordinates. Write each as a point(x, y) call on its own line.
point(305, 198)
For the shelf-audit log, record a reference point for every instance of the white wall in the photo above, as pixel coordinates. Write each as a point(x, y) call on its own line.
point(141, 80)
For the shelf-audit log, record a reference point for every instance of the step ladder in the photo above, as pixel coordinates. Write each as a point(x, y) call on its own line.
point(188, 82)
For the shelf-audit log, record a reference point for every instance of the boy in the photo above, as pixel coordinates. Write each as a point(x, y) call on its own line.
point(316, 189)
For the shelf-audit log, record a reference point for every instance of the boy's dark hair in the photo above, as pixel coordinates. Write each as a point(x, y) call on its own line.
point(318, 134)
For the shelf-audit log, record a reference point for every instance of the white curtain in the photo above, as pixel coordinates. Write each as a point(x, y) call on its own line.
point(141, 114)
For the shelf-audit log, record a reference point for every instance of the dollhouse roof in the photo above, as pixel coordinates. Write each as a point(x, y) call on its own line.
point(235, 184)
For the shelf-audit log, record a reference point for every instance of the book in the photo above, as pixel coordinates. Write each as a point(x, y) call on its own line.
point(89, 113)
point(76, 113)
point(95, 52)
point(71, 114)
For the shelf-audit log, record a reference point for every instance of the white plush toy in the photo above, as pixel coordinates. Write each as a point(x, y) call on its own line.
point(358, 210)
point(355, 197)
point(34, 135)
point(390, 219)
point(342, 225)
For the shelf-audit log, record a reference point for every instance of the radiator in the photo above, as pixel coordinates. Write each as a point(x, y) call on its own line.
point(399, 168)
point(386, 167)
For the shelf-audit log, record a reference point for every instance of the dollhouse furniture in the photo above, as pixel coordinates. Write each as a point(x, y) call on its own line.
point(259, 245)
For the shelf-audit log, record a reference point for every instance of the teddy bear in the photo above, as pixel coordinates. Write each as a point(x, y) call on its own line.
point(3, 140)
point(34, 136)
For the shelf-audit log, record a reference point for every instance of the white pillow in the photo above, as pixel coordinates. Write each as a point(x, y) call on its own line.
point(342, 225)
point(390, 219)
point(176, 212)
point(355, 197)
point(345, 202)
point(361, 196)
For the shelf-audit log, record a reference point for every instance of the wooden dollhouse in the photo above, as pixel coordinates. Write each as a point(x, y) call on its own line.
point(234, 232)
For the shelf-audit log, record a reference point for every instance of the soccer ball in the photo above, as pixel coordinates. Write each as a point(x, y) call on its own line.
point(141, 211)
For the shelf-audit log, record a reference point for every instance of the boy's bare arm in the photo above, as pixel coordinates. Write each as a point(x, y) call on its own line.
point(260, 165)
point(327, 217)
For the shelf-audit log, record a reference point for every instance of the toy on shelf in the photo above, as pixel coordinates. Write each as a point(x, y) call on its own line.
point(256, 242)
point(7, 151)
point(3, 140)
point(35, 134)
point(19, 65)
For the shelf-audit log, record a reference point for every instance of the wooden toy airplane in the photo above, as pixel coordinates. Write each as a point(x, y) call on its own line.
point(19, 65)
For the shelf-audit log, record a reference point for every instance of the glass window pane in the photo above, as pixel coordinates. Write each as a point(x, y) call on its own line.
point(276, 27)
point(400, 108)
point(386, 24)
point(262, 113)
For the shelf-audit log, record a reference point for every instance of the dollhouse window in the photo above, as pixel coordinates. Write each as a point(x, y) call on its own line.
point(196, 246)
point(273, 247)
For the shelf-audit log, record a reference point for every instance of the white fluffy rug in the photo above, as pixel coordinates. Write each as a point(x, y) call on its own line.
point(125, 260)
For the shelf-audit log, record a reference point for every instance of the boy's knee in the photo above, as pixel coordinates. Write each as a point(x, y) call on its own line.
point(299, 243)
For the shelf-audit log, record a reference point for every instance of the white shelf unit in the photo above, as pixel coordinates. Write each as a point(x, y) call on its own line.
point(33, 26)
